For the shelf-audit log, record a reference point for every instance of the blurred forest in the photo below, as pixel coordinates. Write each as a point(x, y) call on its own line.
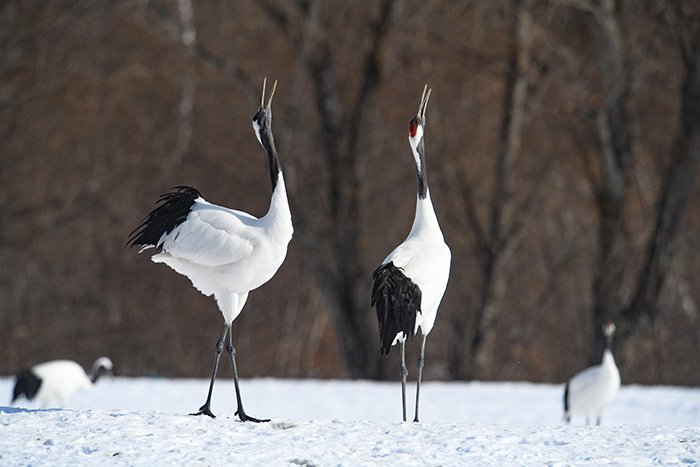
point(562, 145)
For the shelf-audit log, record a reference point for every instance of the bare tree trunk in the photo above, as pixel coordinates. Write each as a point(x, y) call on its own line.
point(614, 130)
point(343, 274)
point(673, 202)
point(501, 234)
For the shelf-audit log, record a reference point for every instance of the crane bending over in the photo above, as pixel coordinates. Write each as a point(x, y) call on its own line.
point(55, 381)
point(225, 253)
point(411, 281)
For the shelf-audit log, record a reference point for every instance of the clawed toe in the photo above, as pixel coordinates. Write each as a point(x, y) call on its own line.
point(204, 410)
point(247, 418)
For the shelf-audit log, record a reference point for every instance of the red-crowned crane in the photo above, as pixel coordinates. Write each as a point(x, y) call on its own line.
point(225, 253)
point(590, 391)
point(411, 281)
point(55, 381)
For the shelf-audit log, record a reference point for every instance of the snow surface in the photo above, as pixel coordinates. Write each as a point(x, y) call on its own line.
point(140, 421)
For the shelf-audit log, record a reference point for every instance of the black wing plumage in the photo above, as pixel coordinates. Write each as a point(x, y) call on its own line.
point(27, 384)
point(397, 300)
point(171, 210)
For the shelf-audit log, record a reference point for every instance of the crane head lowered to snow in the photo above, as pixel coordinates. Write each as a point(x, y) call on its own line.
point(55, 381)
point(224, 252)
point(409, 284)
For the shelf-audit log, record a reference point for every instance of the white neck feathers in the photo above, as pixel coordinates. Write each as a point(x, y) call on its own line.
point(425, 220)
point(279, 217)
point(414, 141)
point(608, 359)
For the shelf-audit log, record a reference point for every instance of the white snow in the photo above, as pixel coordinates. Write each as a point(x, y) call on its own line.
point(141, 421)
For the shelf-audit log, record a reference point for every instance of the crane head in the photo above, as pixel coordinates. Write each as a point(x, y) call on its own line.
point(262, 120)
point(608, 328)
point(415, 127)
point(417, 123)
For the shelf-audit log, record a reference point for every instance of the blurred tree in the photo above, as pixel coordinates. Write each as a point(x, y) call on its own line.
point(562, 149)
point(647, 303)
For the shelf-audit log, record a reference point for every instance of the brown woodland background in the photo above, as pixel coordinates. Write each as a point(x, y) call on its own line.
point(562, 144)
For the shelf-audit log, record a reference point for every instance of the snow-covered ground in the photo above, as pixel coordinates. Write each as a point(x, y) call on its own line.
point(139, 421)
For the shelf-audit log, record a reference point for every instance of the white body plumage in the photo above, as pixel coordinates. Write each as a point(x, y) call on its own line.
point(425, 259)
point(408, 286)
point(590, 391)
point(593, 389)
point(228, 253)
point(224, 252)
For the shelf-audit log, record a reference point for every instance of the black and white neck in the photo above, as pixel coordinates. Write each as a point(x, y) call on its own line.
point(416, 133)
point(415, 138)
point(262, 124)
point(609, 332)
point(425, 214)
point(279, 216)
point(101, 367)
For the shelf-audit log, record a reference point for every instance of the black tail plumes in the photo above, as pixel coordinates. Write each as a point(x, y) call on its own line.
point(397, 301)
point(27, 384)
point(172, 210)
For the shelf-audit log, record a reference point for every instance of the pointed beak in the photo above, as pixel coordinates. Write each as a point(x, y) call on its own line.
point(262, 96)
point(424, 101)
point(272, 93)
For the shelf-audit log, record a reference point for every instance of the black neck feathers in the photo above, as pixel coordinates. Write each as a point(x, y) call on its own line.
point(608, 342)
point(421, 171)
point(263, 122)
point(97, 372)
point(274, 160)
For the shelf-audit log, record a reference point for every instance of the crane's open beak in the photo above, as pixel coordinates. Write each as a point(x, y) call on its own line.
point(424, 101)
point(272, 93)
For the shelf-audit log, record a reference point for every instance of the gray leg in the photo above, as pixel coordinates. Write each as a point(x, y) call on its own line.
point(419, 365)
point(205, 409)
point(404, 374)
point(231, 352)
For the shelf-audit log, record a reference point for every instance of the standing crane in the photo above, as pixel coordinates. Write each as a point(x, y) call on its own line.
point(224, 252)
point(590, 391)
point(410, 283)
